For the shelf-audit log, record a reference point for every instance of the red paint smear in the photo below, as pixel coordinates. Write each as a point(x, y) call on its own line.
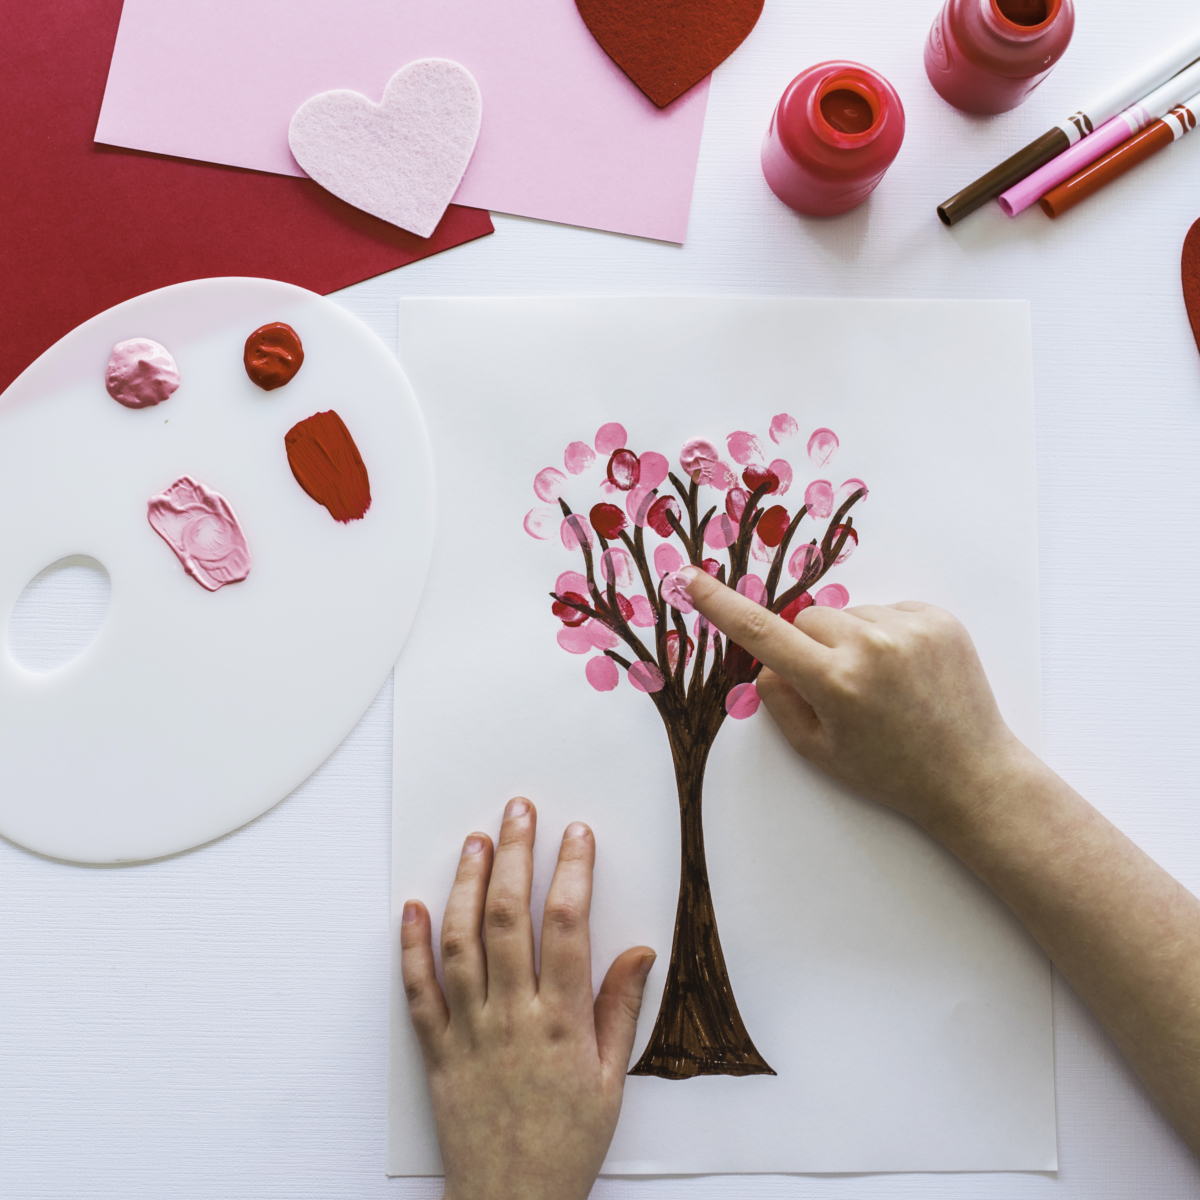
point(565, 613)
point(328, 466)
point(88, 226)
point(1191, 278)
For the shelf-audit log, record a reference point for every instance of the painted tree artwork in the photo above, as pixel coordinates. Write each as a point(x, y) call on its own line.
point(623, 607)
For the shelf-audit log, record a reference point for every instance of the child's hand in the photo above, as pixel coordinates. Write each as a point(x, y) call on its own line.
point(526, 1073)
point(891, 701)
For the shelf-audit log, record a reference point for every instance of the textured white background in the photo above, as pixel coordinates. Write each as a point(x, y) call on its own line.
point(213, 1026)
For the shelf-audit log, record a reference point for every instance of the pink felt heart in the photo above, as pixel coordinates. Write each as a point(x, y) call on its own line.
point(401, 160)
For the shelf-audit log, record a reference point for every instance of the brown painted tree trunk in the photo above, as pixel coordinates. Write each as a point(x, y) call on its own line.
point(699, 1030)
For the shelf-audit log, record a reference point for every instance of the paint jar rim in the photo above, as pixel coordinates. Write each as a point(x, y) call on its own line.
point(1009, 29)
point(855, 79)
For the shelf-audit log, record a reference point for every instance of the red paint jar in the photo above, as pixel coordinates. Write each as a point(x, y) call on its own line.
point(832, 137)
point(986, 56)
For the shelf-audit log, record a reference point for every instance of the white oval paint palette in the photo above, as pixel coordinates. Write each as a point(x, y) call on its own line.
point(194, 711)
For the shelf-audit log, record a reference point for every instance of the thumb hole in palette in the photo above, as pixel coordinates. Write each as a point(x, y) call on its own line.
point(59, 614)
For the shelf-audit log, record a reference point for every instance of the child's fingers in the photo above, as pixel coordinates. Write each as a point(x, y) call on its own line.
point(506, 920)
point(426, 1004)
point(618, 1006)
point(566, 943)
point(796, 718)
point(463, 962)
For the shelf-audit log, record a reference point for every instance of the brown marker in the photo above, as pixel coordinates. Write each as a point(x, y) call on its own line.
point(1179, 121)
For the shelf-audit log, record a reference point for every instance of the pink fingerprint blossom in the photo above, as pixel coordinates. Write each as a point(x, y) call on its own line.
point(646, 677)
point(601, 636)
point(742, 701)
point(848, 489)
point(549, 484)
point(782, 470)
point(762, 552)
point(571, 581)
point(673, 650)
point(624, 470)
point(723, 477)
point(667, 559)
point(832, 595)
point(655, 469)
point(540, 523)
point(822, 446)
point(783, 427)
point(602, 673)
point(638, 503)
point(643, 612)
point(744, 448)
point(617, 567)
point(699, 458)
point(805, 561)
point(753, 588)
point(575, 640)
point(610, 437)
point(818, 496)
point(674, 593)
point(720, 532)
point(574, 531)
point(851, 542)
point(577, 457)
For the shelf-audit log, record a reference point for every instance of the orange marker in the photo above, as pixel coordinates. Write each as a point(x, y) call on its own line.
point(1179, 121)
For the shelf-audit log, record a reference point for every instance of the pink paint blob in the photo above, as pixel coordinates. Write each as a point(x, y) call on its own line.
point(549, 484)
point(735, 503)
point(577, 457)
point(575, 640)
point(643, 612)
point(140, 373)
point(782, 470)
point(805, 560)
point(699, 458)
point(574, 531)
point(742, 701)
point(610, 437)
point(832, 595)
point(667, 559)
point(616, 566)
point(624, 470)
point(675, 594)
point(720, 532)
point(601, 636)
point(638, 502)
point(822, 446)
point(571, 581)
point(646, 677)
point(818, 497)
point(782, 428)
point(753, 588)
point(541, 523)
point(655, 469)
point(848, 489)
point(200, 526)
point(744, 448)
point(602, 673)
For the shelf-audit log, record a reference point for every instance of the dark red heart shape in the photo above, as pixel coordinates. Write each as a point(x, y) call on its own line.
point(668, 46)
point(1191, 278)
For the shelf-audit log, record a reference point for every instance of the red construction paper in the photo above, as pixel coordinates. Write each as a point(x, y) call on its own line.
point(1191, 278)
point(83, 227)
point(668, 46)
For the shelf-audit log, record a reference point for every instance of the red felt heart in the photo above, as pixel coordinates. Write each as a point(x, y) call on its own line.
point(1191, 278)
point(668, 46)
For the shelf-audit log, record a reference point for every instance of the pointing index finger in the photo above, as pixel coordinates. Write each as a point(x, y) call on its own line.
point(782, 647)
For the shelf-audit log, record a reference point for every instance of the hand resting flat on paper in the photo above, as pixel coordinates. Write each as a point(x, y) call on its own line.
point(526, 1072)
point(893, 702)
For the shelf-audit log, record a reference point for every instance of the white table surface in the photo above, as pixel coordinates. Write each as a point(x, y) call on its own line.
point(213, 1026)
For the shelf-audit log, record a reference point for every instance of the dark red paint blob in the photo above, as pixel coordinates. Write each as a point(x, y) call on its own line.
point(328, 466)
point(569, 616)
point(755, 477)
point(772, 525)
point(656, 518)
point(1191, 278)
point(847, 111)
point(739, 663)
point(624, 470)
point(797, 606)
point(273, 355)
point(607, 520)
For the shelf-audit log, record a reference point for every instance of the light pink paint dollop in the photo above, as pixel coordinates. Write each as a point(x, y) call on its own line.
point(832, 595)
point(783, 427)
point(200, 526)
point(699, 458)
point(602, 673)
point(577, 457)
point(822, 446)
point(744, 448)
point(541, 523)
point(818, 497)
point(742, 701)
point(140, 373)
point(549, 484)
point(646, 677)
point(611, 437)
point(674, 593)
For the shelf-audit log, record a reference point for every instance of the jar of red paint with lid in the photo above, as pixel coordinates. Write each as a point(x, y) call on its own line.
point(832, 137)
point(986, 56)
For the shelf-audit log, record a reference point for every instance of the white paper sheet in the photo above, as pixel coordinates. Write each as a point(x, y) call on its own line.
point(905, 1011)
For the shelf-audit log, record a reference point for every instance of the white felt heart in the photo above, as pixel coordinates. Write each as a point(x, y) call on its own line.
point(401, 160)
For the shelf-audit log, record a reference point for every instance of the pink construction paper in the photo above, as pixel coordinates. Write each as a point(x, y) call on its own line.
point(566, 136)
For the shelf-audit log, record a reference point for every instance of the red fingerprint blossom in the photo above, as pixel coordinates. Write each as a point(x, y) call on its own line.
point(607, 520)
point(772, 525)
point(328, 466)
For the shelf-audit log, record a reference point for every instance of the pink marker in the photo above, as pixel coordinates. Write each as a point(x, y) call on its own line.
point(1108, 137)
